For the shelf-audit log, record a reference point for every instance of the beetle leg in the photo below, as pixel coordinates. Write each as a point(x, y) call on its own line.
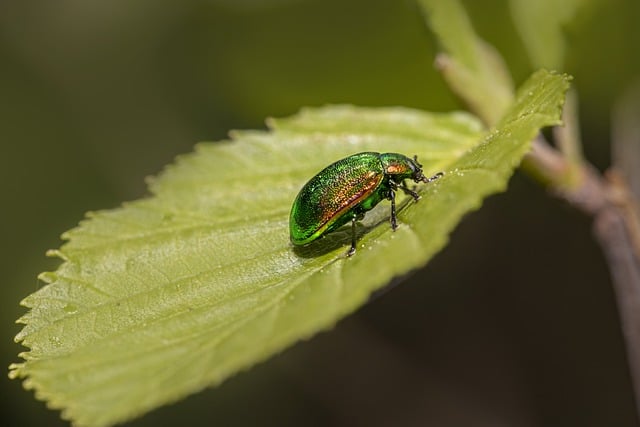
point(392, 197)
point(408, 191)
point(352, 249)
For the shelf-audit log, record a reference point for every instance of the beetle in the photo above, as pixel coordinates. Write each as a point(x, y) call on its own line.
point(346, 189)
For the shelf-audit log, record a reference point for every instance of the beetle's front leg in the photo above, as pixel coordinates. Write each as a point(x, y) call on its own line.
point(408, 191)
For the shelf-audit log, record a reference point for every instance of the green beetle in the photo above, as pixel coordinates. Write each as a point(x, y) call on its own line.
point(346, 189)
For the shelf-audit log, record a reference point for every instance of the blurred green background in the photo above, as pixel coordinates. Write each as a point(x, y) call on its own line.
point(513, 324)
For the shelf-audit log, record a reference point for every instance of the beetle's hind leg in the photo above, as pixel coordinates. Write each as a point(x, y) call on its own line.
point(352, 249)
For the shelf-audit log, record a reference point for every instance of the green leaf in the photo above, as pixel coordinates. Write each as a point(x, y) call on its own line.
point(541, 24)
point(176, 292)
point(473, 69)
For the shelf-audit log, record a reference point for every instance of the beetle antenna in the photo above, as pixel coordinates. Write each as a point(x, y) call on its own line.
point(433, 178)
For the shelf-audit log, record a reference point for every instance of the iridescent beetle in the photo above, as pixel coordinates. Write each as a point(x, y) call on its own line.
point(346, 189)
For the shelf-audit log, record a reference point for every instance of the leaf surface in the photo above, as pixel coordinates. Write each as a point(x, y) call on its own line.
point(173, 293)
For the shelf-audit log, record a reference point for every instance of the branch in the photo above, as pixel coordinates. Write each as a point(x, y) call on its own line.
point(616, 226)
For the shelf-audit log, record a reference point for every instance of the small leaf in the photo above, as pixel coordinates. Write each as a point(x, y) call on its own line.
point(540, 24)
point(176, 292)
point(473, 69)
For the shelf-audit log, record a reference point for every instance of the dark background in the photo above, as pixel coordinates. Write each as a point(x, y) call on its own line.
point(513, 324)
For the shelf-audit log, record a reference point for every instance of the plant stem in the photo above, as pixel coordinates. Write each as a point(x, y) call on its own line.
point(616, 227)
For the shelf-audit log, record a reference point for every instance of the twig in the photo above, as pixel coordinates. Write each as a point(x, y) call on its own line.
point(616, 227)
point(611, 231)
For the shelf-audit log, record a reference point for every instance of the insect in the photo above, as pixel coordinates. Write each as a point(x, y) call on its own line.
point(346, 189)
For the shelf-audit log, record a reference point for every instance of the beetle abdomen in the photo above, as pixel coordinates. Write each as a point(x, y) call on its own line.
point(326, 201)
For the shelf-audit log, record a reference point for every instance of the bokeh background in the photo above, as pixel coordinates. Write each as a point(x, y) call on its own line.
point(513, 324)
